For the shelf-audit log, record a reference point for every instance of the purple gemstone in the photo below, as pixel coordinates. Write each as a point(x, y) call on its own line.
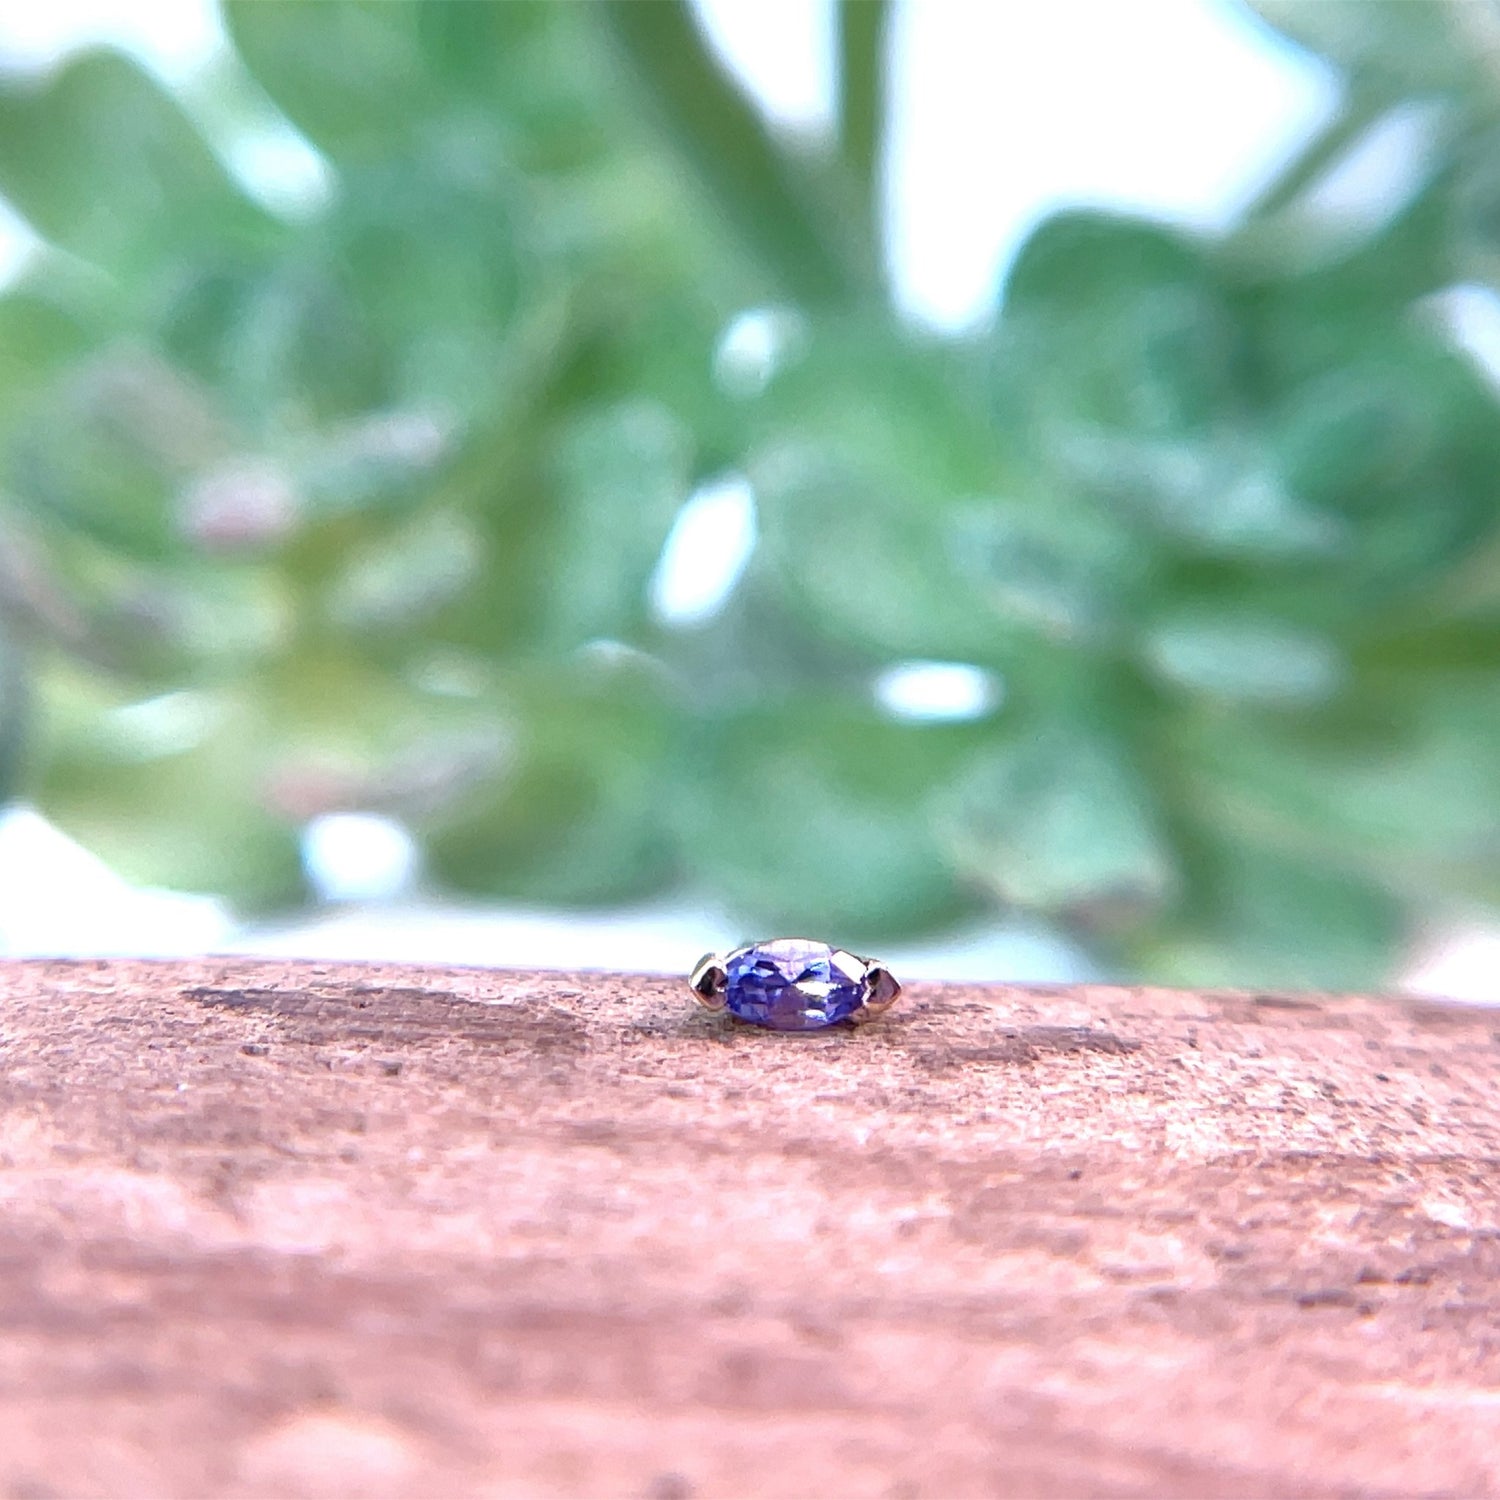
point(793, 985)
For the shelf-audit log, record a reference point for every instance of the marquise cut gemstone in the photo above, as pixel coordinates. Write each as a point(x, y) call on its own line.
point(793, 985)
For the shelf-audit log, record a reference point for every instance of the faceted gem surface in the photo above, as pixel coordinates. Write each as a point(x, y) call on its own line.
point(793, 985)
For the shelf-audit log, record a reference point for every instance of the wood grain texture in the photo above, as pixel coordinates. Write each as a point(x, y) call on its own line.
point(284, 1230)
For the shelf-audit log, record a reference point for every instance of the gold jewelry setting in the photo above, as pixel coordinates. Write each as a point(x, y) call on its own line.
point(794, 984)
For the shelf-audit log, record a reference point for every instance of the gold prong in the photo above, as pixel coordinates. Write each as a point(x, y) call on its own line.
point(882, 990)
point(708, 981)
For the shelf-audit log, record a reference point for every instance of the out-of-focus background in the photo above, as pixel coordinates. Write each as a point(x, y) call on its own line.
point(1016, 487)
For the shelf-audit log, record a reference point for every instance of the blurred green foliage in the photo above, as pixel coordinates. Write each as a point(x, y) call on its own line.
point(358, 507)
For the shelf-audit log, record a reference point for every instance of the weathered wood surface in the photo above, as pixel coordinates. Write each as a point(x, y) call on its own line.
point(280, 1230)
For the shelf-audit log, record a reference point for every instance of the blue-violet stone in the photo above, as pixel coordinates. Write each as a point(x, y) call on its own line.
point(793, 985)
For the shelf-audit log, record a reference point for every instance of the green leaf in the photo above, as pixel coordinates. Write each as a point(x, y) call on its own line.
point(860, 390)
point(44, 326)
point(1396, 788)
point(348, 73)
point(1301, 313)
point(1115, 323)
point(104, 163)
point(108, 446)
point(1259, 919)
point(1475, 206)
point(383, 464)
point(1394, 48)
point(15, 705)
point(1242, 658)
point(896, 518)
point(169, 792)
point(373, 81)
point(410, 290)
point(1215, 497)
point(812, 816)
point(284, 344)
point(1068, 572)
point(1058, 821)
point(885, 583)
point(469, 45)
point(39, 332)
point(1400, 442)
point(392, 584)
point(566, 805)
point(621, 476)
point(426, 251)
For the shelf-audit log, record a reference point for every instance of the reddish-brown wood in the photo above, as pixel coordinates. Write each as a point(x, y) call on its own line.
point(281, 1230)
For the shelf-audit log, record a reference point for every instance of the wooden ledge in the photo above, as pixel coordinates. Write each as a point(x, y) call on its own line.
point(277, 1229)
